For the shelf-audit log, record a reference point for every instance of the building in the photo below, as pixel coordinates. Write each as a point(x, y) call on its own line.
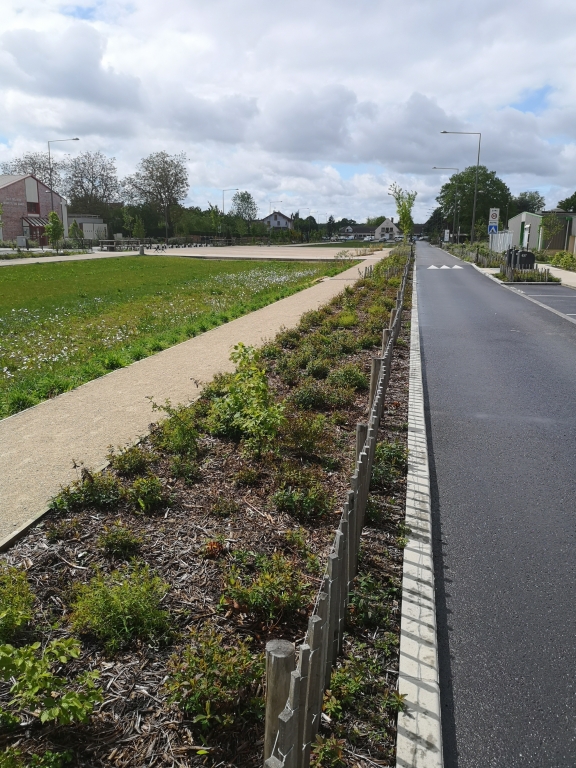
point(356, 231)
point(26, 203)
point(93, 227)
point(387, 230)
point(278, 220)
point(526, 229)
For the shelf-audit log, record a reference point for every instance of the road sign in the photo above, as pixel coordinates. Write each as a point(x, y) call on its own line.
point(446, 235)
point(492, 229)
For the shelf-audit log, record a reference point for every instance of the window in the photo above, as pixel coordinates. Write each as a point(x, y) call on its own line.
point(33, 207)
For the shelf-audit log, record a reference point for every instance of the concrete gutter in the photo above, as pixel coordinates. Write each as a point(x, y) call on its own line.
point(419, 740)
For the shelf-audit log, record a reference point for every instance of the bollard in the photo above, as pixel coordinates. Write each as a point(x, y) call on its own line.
point(141, 250)
point(280, 655)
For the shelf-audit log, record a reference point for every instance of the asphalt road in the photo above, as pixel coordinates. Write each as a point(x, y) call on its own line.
point(500, 383)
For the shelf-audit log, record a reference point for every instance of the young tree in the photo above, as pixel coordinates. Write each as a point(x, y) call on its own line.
point(330, 226)
point(244, 206)
point(54, 230)
point(76, 233)
point(91, 181)
point(127, 221)
point(36, 163)
point(551, 226)
point(160, 180)
point(138, 230)
point(404, 204)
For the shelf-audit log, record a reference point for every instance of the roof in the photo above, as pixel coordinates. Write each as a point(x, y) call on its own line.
point(9, 178)
point(278, 213)
point(35, 221)
point(359, 230)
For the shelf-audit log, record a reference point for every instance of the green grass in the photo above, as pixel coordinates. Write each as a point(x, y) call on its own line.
point(63, 324)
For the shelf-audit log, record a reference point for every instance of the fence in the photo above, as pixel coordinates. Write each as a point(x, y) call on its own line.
point(295, 692)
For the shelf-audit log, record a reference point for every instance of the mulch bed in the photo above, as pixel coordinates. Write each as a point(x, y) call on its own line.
point(136, 725)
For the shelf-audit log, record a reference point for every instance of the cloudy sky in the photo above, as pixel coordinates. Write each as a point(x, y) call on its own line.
point(318, 104)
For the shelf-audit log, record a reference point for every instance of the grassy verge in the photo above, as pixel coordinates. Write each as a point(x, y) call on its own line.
point(63, 324)
point(168, 573)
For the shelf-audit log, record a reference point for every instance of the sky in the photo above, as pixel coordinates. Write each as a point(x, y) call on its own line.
point(311, 106)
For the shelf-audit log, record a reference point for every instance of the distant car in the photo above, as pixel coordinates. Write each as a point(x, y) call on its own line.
point(368, 238)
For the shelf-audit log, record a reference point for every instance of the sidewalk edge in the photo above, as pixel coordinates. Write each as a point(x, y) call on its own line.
point(419, 740)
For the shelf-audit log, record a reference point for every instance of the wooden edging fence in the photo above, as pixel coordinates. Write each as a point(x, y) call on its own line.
point(295, 689)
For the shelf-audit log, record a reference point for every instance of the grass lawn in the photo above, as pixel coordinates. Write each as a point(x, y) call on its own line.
point(63, 324)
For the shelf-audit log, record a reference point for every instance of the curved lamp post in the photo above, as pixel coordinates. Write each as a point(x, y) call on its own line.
point(451, 168)
point(472, 133)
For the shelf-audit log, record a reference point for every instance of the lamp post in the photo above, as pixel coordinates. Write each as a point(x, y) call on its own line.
point(273, 202)
point(450, 168)
point(472, 133)
point(54, 141)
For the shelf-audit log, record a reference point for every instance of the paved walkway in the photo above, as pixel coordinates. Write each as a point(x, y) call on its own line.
point(37, 446)
point(251, 252)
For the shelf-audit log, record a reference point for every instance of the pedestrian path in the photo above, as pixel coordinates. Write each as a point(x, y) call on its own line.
point(38, 446)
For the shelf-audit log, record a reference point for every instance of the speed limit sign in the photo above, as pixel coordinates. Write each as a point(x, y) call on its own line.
point(494, 216)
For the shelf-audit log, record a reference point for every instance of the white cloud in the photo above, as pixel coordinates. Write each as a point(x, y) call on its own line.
point(279, 99)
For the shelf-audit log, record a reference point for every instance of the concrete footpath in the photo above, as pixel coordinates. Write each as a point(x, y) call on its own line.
point(225, 253)
point(38, 446)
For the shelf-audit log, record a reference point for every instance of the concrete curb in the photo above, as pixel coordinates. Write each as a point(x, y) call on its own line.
point(419, 740)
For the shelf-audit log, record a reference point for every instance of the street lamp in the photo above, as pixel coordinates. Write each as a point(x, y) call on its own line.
point(230, 189)
point(54, 141)
point(450, 168)
point(272, 202)
point(472, 133)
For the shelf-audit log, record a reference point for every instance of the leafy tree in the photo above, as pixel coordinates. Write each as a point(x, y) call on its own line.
point(404, 204)
point(127, 221)
point(91, 182)
point(530, 201)
point(551, 225)
point(54, 230)
point(375, 221)
point(38, 164)
point(160, 180)
point(330, 226)
point(138, 230)
point(75, 232)
point(569, 203)
point(244, 206)
point(458, 193)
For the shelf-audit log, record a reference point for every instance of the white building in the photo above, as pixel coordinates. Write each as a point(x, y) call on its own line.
point(277, 220)
point(387, 230)
point(93, 227)
point(526, 230)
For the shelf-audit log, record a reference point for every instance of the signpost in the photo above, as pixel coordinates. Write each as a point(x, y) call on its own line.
point(493, 221)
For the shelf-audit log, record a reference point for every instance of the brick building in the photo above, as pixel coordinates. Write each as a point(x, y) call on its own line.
point(26, 203)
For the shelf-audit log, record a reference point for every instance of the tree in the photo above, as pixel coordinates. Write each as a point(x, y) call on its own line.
point(91, 182)
point(76, 233)
point(36, 163)
point(404, 204)
point(569, 203)
point(458, 195)
point(160, 180)
point(330, 226)
point(551, 226)
point(530, 201)
point(54, 230)
point(244, 206)
point(127, 221)
point(138, 230)
point(375, 221)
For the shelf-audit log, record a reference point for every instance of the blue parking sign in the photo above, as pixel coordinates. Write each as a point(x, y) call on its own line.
point(492, 229)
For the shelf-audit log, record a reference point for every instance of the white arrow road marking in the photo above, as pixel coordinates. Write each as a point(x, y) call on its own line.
point(433, 267)
point(457, 267)
point(444, 266)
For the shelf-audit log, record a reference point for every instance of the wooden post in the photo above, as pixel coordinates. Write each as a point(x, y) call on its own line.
point(361, 432)
point(279, 664)
point(304, 670)
point(374, 376)
point(385, 340)
point(345, 577)
point(392, 318)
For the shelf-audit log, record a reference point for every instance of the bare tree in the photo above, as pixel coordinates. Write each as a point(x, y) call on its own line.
point(91, 180)
point(160, 180)
point(38, 164)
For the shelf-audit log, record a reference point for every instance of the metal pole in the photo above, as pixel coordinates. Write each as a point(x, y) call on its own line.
point(475, 190)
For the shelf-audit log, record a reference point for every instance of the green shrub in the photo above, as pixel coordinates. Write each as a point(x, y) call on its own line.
point(19, 400)
point(186, 468)
point(346, 684)
point(306, 435)
point(275, 591)
point(390, 463)
point(311, 319)
point(34, 687)
point(16, 601)
point(370, 340)
point(98, 490)
point(13, 758)
point(63, 530)
point(564, 260)
point(130, 461)
point(247, 476)
point(348, 376)
point(318, 368)
point(370, 601)
point(121, 607)
point(301, 493)
point(247, 411)
point(328, 752)
point(118, 541)
point(270, 351)
point(224, 507)
point(178, 434)
point(346, 319)
point(147, 494)
point(215, 680)
point(289, 339)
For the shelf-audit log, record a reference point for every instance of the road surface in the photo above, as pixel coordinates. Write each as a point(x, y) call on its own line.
point(500, 385)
